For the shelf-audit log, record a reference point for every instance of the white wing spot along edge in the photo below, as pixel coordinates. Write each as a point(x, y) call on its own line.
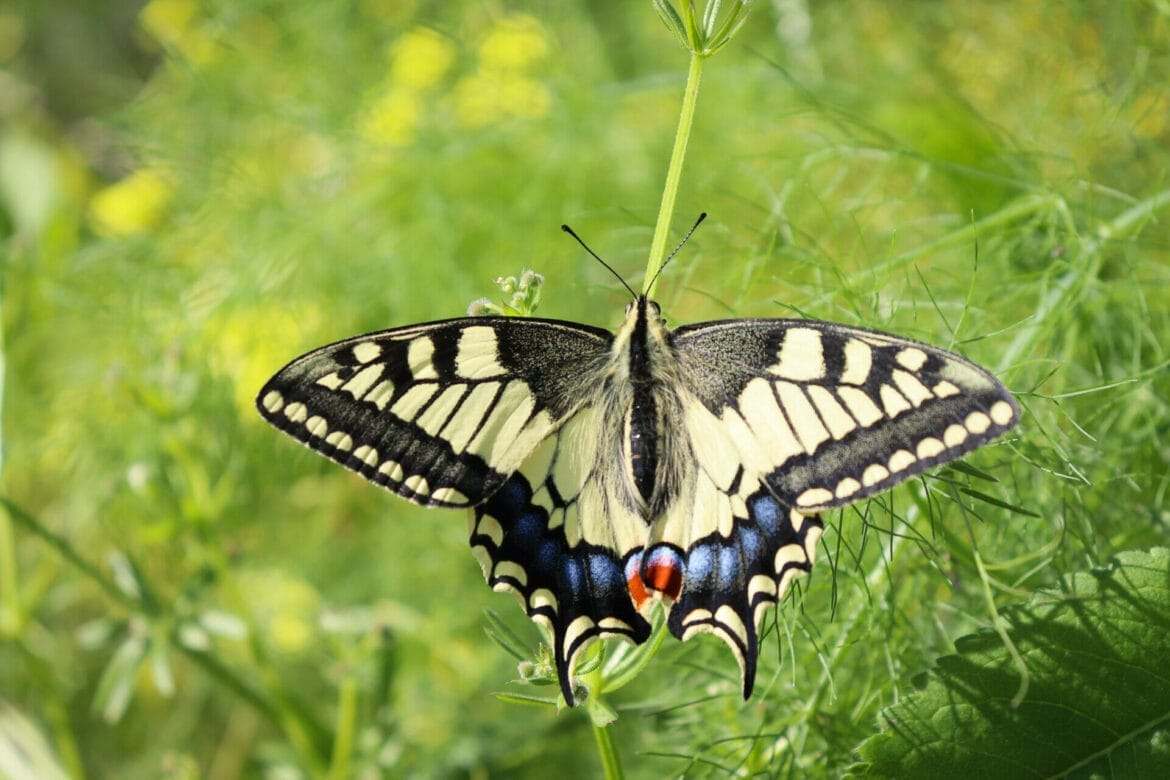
point(419, 357)
point(873, 474)
point(801, 357)
point(478, 355)
point(1001, 412)
point(901, 460)
point(945, 389)
point(392, 470)
point(316, 426)
point(930, 447)
point(367, 455)
point(814, 497)
point(911, 358)
point(297, 412)
point(954, 435)
point(366, 351)
point(340, 440)
point(847, 487)
point(273, 401)
point(977, 422)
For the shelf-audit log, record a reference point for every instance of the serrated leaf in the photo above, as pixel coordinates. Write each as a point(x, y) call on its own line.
point(1098, 704)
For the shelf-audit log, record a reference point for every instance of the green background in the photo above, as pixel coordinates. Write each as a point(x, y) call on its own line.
point(193, 193)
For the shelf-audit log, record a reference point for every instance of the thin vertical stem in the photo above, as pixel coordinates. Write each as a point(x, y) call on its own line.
point(610, 764)
point(674, 174)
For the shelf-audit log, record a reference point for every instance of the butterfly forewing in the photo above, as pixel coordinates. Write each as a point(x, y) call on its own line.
point(442, 413)
point(829, 414)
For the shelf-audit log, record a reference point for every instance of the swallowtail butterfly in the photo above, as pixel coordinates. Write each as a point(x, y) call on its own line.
point(606, 471)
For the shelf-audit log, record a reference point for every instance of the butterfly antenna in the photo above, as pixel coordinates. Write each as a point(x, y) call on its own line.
point(699, 221)
point(608, 267)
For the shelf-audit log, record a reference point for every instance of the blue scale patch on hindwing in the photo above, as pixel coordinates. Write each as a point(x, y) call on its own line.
point(586, 580)
point(720, 568)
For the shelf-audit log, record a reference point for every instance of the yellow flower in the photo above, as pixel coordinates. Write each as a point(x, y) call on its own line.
point(515, 43)
point(419, 59)
point(131, 206)
point(523, 97)
point(484, 98)
point(284, 607)
point(475, 105)
point(392, 118)
point(174, 24)
point(246, 345)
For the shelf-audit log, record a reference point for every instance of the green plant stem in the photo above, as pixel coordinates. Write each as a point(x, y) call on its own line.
point(343, 740)
point(674, 174)
point(1001, 628)
point(11, 617)
point(66, 551)
point(610, 764)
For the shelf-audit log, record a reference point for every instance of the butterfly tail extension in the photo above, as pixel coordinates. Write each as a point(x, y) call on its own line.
point(731, 580)
point(578, 591)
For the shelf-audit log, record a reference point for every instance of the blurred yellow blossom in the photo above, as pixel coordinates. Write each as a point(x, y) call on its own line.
point(484, 98)
point(392, 118)
point(243, 345)
point(420, 58)
point(175, 25)
point(515, 43)
point(500, 88)
point(284, 607)
point(133, 205)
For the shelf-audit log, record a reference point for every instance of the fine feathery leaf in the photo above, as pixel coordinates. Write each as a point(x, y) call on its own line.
point(1099, 700)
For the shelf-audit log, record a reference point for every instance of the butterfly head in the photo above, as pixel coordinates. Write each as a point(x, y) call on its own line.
point(644, 307)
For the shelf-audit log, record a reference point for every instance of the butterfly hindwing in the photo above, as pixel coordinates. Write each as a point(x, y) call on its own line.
point(558, 537)
point(731, 579)
point(442, 413)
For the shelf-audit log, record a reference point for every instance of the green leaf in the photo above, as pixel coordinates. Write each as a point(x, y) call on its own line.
point(1099, 701)
point(671, 19)
point(116, 686)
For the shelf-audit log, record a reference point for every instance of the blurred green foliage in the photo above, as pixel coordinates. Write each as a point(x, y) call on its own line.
point(194, 191)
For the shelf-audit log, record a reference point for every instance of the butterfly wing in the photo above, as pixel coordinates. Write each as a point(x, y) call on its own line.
point(554, 536)
point(442, 413)
point(495, 414)
point(787, 418)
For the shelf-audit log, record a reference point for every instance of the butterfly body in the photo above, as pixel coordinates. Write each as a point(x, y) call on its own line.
point(609, 471)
